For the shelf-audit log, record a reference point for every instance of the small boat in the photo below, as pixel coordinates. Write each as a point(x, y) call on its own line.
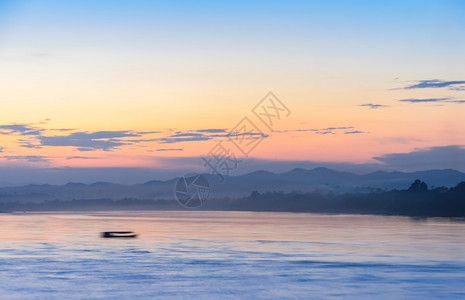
point(118, 234)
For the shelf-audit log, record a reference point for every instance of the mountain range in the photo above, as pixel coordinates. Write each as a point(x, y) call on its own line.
point(300, 180)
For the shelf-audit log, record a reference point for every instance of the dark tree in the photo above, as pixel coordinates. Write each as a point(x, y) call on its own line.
point(418, 186)
point(254, 194)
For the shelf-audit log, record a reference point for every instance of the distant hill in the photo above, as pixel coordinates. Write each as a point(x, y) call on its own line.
point(300, 180)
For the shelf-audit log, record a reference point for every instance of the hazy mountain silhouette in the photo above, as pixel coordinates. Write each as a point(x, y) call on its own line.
point(299, 180)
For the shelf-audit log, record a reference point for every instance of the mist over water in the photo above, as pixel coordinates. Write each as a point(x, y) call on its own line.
point(230, 255)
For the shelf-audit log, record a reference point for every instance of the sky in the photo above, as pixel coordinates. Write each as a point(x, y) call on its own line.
point(359, 85)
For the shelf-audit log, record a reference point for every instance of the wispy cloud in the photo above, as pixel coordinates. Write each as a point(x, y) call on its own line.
point(354, 132)
point(181, 139)
point(31, 144)
point(430, 100)
point(28, 158)
point(324, 130)
point(172, 149)
point(204, 135)
point(187, 134)
point(329, 130)
point(213, 130)
point(415, 100)
point(81, 157)
point(457, 88)
point(88, 141)
point(436, 83)
point(21, 129)
point(427, 158)
point(399, 140)
point(374, 106)
point(34, 136)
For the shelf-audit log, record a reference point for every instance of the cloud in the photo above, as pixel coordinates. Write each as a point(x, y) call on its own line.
point(413, 100)
point(374, 106)
point(213, 130)
point(318, 130)
point(327, 130)
point(45, 121)
point(173, 149)
point(111, 140)
point(39, 137)
point(83, 140)
point(148, 132)
point(29, 144)
point(205, 135)
point(81, 157)
point(29, 158)
point(440, 157)
point(354, 132)
point(187, 134)
point(399, 140)
point(88, 141)
point(457, 88)
point(338, 128)
point(36, 138)
point(436, 83)
point(22, 129)
point(430, 100)
point(61, 129)
point(172, 140)
point(103, 134)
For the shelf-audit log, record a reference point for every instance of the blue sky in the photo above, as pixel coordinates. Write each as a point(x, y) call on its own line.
point(73, 69)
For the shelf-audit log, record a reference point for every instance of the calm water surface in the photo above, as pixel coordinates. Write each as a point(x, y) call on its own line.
point(212, 255)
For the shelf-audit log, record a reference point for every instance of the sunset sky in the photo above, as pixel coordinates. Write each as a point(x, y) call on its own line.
point(157, 84)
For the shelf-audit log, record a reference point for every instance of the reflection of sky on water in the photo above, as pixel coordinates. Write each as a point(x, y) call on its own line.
point(241, 249)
